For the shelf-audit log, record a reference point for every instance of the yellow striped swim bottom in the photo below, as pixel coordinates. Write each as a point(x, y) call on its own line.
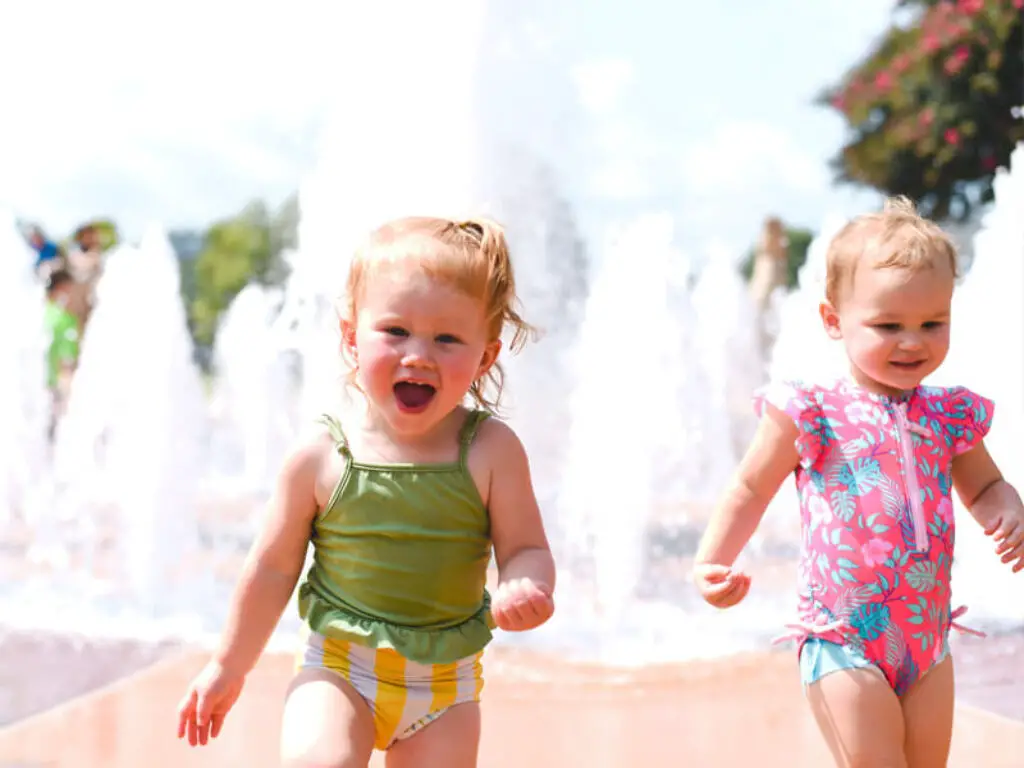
point(403, 695)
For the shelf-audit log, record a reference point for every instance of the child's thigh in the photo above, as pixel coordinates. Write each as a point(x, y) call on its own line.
point(928, 714)
point(452, 741)
point(326, 723)
point(860, 717)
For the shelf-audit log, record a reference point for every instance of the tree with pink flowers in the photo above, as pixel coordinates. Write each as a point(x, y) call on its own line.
point(934, 108)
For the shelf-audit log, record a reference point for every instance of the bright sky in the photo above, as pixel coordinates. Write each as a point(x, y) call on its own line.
point(701, 109)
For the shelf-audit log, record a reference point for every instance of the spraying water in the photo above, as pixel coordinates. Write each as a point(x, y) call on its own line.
point(985, 355)
point(729, 347)
point(252, 394)
point(128, 452)
point(23, 394)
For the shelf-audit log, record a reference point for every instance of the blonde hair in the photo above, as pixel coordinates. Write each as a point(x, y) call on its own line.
point(471, 255)
point(897, 237)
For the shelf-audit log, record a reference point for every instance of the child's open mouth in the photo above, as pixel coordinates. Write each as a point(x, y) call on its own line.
point(908, 366)
point(413, 397)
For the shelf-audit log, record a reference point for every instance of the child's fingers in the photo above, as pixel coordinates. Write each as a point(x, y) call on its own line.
point(1015, 552)
point(744, 589)
point(730, 593)
point(204, 714)
point(993, 527)
point(1009, 537)
point(186, 713)
point(712, 573)
point(718, 589)
point(216, 723)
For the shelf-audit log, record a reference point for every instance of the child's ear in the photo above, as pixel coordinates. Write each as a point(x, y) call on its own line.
point(490, 357)
point(830, 319)
point(348, 339)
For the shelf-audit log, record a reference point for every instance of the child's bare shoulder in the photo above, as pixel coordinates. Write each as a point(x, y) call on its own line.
point(313, 463)
point(496, 439)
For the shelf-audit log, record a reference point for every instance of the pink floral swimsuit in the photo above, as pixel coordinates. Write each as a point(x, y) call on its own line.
point(874, 481)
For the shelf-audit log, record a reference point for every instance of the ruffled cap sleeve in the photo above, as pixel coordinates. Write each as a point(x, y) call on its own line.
point(803, 404)
point(965, 416)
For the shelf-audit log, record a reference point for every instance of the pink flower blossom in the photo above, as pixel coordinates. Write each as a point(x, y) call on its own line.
point(821, 512)
point(945, 511)
point(952, 136)
point(900, 63)
point(875, 552)
point(858, 413)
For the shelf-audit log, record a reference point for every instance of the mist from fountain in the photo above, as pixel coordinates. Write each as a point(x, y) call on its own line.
point(24, 398)
point(129, 450)
point(252, 393)
point(802, 349)
point(987, 355)
point(730, 349)
point(606, 496)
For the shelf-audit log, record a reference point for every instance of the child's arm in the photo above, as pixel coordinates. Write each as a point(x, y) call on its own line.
point(268, 577)
point(992, 501)
point(274, 562)
point(771, 458)
point(526, 568)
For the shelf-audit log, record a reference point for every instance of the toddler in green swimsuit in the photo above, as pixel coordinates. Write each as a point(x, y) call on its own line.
point(402, 503)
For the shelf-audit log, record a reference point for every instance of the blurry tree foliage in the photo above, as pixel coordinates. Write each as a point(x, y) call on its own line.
point(933, 108)
point(242, 249)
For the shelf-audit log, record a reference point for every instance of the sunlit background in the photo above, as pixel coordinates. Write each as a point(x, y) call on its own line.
point(670, 176)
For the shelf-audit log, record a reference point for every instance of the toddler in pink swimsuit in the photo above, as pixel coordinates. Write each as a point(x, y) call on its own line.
point(875, 458)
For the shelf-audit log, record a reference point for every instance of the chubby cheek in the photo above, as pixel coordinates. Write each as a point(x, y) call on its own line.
point(375, 364)
point(868, 349)
point(939, 347)
point(463, 367)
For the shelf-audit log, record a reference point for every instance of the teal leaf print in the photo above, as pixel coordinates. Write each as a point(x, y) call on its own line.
point(922, 575)
point(860, 476)
point(895, 645)
point(843, 505)
point(924, 637)
point(870, 620)
point(852, 598)
point(892, 499)
point(945, 482)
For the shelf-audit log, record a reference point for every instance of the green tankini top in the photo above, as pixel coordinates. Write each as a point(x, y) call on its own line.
point(400, 557)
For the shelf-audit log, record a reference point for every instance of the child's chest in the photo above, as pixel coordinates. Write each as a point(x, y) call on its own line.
point(871, 442)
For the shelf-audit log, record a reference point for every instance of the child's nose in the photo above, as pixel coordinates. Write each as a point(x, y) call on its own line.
point(910, 340)
point(416, 353)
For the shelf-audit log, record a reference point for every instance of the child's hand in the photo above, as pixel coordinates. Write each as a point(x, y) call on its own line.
point(720, 585)
point(1008, 532)
point(522, 604)
point(209, 699)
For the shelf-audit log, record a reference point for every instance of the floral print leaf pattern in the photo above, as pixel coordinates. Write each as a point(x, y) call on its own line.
point(922, 575)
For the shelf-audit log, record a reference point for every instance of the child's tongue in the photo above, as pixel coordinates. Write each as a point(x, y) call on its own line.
point(413, 396)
